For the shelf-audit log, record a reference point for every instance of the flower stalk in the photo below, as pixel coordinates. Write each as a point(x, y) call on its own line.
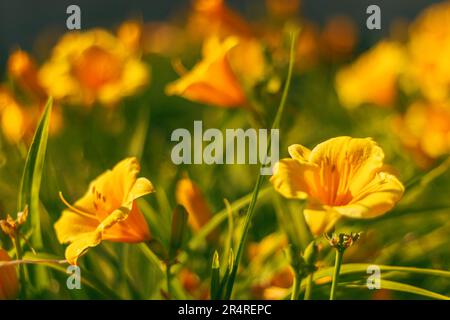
point(340, 242)
point(337, 270)
point(260, 179)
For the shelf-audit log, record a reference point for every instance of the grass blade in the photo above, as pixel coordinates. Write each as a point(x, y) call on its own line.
point(402, 287)
point(32, 175)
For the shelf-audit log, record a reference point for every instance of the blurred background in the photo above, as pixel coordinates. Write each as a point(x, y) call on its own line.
point(136, 72)
point(21, 21)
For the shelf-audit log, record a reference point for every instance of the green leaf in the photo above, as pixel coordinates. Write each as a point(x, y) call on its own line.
point(32, 175)
point(215, 276)
point(86, 278)
point(222, 216)
point(225, 283)
point(260, 178)
point(137, 144)
point(362, 268)
point(356, 268)
point(402, 287)
point(179, 226)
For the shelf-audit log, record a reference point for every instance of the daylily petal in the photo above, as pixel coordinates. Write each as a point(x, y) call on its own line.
point(111, 189)
point(299, 152)
point(378, 197)
point(289, 179)
point(79, 246)
point(211, 81)
point(142, 187)
point(133, 229)
point(321, 220)
point(71, 225)
point(355, 160)
point(190, 196)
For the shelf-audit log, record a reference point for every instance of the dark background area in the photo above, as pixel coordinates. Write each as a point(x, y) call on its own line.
point(21, 21)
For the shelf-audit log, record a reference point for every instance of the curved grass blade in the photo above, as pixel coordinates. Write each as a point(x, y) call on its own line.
point(355, 268)
point(32, 175)
point(362, 268)
point(402, 287)
point(260, 179)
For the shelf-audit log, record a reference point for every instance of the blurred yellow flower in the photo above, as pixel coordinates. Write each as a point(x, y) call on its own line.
point(425, 130)
point(214, 17)
point(91, 66)
point(22, 68)
point(18, 121)
point(372, 78)
point(212, 80)
point(9, 283)
point(107, 211)
point(339, 38)
point(341, 177)
point(429, 48)
point(130, 34)
point(189, 195)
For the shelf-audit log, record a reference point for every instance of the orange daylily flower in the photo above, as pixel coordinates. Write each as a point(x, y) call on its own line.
point(189, 195)
point(23, 69)
point(212, 81)
point(341, 177)
point(214, 17)
point(9, 283)
point(108, 211)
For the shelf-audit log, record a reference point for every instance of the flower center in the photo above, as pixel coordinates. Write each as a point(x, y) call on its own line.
point(96, 67)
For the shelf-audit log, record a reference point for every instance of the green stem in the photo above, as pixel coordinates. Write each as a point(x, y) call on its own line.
point(296, 286)
point(169, 291)
point(259, 181)
point(19, 256)
point(337, 269)
point(309, 285)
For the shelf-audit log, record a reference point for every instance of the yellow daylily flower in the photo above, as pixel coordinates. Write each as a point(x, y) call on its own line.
point(341, 177)
point(429, 48)
point(107, 211)
point(9, 283)
point(372, 78)
point(19, 121)
point(189, 195)
point(425, 130)
point(212, 81)
point(91, 66)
